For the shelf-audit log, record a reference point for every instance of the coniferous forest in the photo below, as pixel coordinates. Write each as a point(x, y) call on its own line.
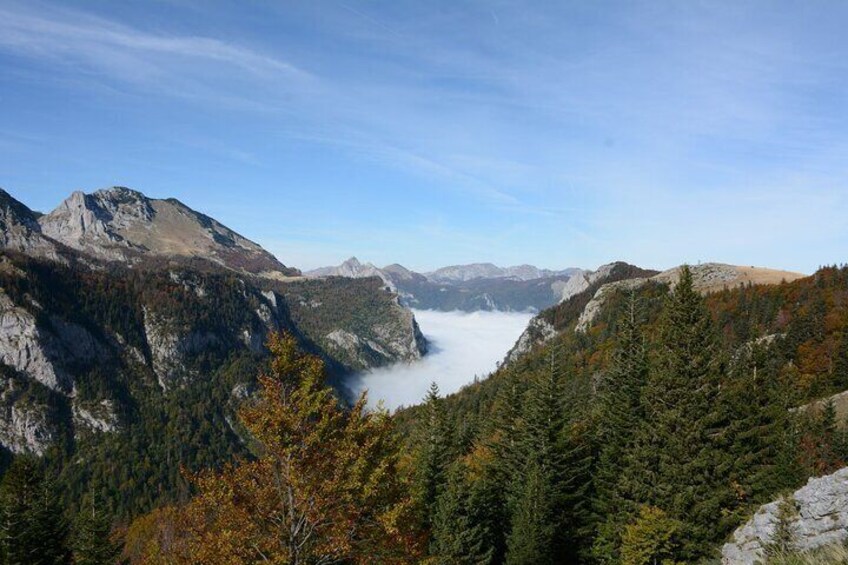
point(646, 439)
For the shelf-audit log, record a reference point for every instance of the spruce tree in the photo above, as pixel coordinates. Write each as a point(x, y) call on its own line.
point(760, 440)
point(463, 529)
point(677, 464)
point(619, 415)
point(540, 479)
point(533, 533)
point(32, 530)
point(433, 456)
point(92, 543)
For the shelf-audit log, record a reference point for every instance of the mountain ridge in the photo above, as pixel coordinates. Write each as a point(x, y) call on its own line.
point(122, 224)
point(476, 286)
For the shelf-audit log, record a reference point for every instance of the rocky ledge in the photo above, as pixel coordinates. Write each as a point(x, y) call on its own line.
point(820, 518)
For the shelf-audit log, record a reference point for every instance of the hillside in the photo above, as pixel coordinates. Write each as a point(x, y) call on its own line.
point(759, 349)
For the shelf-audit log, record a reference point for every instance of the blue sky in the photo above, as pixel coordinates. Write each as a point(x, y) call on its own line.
point(432, 133)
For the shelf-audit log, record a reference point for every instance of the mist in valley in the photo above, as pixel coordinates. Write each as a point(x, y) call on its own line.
point(462, 345)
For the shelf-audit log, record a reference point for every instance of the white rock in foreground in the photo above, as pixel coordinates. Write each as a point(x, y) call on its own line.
point(822, 519)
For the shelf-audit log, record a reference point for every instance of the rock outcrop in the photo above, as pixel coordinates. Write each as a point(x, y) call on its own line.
point(29, 348)
point(820, 518)
point(593, 308)
point(21, 232)
point(538, 331)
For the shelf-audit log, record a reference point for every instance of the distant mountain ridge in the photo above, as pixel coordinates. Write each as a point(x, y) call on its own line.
point(477, 286)
point(464, 273)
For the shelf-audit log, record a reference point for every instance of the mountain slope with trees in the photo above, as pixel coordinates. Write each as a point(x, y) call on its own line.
point(674, 420)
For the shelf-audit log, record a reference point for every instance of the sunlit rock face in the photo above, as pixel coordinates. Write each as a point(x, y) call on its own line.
point(820, 518)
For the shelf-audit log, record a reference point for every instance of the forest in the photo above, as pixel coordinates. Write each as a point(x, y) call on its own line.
point(646, 439)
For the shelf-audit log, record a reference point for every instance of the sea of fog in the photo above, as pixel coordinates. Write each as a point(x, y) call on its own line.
point(462, 345)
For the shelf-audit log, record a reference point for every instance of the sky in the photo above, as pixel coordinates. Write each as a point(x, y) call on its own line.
point(462, 346)
point(561, 134)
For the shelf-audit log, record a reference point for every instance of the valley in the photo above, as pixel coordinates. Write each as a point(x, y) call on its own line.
point(464, 347)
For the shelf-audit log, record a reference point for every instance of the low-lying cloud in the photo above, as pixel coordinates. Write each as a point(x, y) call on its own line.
point(462, 345)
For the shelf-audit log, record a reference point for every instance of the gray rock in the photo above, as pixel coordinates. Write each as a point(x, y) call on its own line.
point(821, 519)
point(593, 308)
point(538, 331)
point(170, 348)
point(28, 348)
point(96, 417)
point(25, 425)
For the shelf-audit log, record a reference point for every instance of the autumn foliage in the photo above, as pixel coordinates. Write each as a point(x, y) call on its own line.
point(323, 487)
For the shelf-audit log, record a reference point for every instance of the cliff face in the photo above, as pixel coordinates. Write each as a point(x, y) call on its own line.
point(173, 328)
point(817, 516)
point(582, 299)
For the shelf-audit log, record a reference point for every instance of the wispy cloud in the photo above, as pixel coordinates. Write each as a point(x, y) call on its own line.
point(43, 30)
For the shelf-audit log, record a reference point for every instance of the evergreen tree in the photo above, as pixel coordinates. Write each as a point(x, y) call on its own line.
point(463, 532)
point(676, 463)
point(433, 456)
point(32, 530)
point(757, 401)
point(783, 539)
point(619, 415)
point(540, 479)
point(534, 518)
point(840, 364)
point(92, 543)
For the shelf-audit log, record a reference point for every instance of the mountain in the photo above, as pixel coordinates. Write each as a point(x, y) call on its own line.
point(121, 224)
point(615, 277)
point(353, 269)
point(480, 286)
point(131, 326)
point(464, 273)
point(20, 230)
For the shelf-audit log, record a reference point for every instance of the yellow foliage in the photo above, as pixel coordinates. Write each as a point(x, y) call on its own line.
point(323, 488)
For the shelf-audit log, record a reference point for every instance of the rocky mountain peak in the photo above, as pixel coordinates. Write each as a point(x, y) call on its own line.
point(122, 224)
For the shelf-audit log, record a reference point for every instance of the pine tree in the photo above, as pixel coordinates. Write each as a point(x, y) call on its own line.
point(676, 463)
point(433, 456)
point(32, 530)
point(619, 415)
point(92, 543)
